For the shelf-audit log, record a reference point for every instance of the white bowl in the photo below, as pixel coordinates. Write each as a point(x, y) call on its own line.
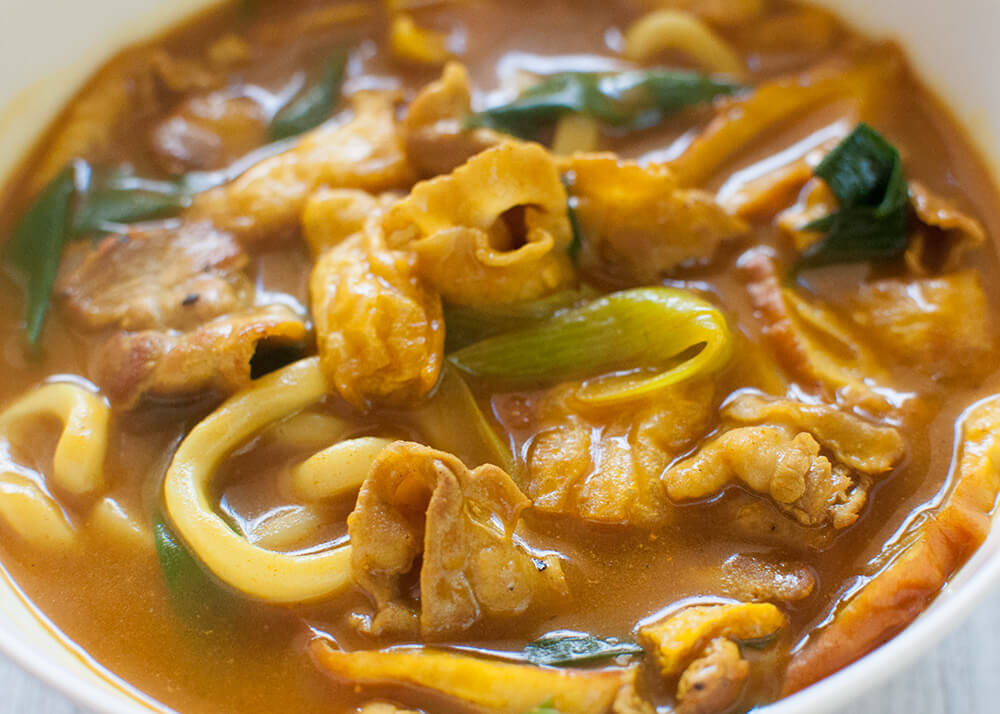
point(48, 47)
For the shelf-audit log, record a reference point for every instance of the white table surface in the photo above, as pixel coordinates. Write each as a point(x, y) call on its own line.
point(960, 676)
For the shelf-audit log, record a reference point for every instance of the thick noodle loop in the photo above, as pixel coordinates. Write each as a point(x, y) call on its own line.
point(78, 461)
point(258, 572)
point(337, 470)
point(664, 30)
point(77, 464)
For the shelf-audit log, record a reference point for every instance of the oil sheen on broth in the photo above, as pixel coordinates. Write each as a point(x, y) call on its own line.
point(777, 484)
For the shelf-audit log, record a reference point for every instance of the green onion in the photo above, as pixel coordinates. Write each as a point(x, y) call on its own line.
point(117, 197)
point(576, 244)
point(576, 648)
point(315, 105)
point(36, 247)
point(545, 707)
point(465, 325)
point(635, 99)
point(194, 594)
point(64, 211)
point(452, 421)
point(642, 329)
point(865, 173)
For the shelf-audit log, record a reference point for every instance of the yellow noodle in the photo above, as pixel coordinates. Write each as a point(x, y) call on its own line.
point(663, 30)
point(32, 514)
point(411, 43)
point(337, 470)
point(310, 430)
point(78, 462)
point(265, 574)
point(119, 527)
point(286, 528)
point(724, 13)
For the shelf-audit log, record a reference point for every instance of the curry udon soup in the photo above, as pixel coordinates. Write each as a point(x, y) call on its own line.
point(456, 357)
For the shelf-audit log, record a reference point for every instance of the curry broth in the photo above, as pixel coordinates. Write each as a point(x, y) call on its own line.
point(113, 602)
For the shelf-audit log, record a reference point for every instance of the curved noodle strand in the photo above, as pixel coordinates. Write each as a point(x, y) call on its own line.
point(337, 470)
point(264, 574)
point(32, 514)
point(78, 462)
point(663, 30)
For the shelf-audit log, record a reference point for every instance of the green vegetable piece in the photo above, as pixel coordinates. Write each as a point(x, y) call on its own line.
point(36, 247)
point(195, 595)
point(650, 337)
point(116, 198)
point(576, 648)
point(466, 325)
point(314, 106)
point(452, 421)
point(576, 244)
point(629, 100)
point(865, 173)
point(545, 707)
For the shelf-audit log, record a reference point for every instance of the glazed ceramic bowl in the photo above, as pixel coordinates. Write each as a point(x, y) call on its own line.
point(48, 47)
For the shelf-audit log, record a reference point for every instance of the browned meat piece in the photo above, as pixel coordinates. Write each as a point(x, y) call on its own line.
point(607, 468)
point(685, 634)
point(208, 132)
point(815, 201)
point(421, 508)
point(380, 331)
point(715, 681)
point(215, 357)
point(136, 83)
point(764, 197)
point(778, 462)
point(747, 577)
point(764, 523)
point(947, 236)
point(436, 143)
point(266, 202)
point(939, 326)
point(932, 554)
point(638, 224)
point(811, 342)
point(157, 279)
point(942, 235)
point(857, 443)
point(476, 684)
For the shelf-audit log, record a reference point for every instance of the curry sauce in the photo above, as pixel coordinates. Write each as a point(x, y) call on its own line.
point(660, 330)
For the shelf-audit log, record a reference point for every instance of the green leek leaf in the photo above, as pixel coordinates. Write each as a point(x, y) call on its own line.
point(545, 707)
point(37, 244)
point(451, 420)
point(650, 337)
point(118, 197)
point(194, 594)
point(865, 173)
point(576, 244)
point(315, 105)
point(635, 99)
point(560, 650)
point(466, 325)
